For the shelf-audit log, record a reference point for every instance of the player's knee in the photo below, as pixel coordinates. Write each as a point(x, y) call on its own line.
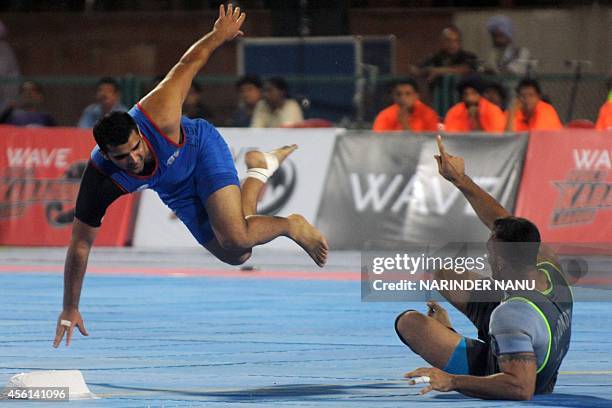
point(237, 242)
point(238, 260)
point(409, 324)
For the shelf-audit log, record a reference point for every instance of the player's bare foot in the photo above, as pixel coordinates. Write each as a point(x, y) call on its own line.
point(439, 313)
point(309, 238)
point(256, 159)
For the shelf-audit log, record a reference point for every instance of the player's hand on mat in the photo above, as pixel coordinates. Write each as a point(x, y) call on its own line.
point(438, 380)
point(450, 167)
point(67, 321)
point(229, 22)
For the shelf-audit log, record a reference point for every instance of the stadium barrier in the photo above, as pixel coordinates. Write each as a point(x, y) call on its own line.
point(566, 188)
point(387, 188)
point(40, 171)
point(359, 187)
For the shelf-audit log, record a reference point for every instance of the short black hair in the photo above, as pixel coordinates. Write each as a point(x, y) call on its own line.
point(109, 81)
point(529, 83)
point(279, 83)
point(524, 237)
point(405, 81)
point(249, 80)
point(501, 89)
point(114, 129)
point(471, 81)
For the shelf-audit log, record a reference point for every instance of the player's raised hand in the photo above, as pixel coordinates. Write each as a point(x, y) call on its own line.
point(229, 22)
point(450, 167)
point(67, 321)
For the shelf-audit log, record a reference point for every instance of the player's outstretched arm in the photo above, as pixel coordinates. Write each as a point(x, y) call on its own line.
point(81, 242)
point(452, 168)
point(516, 381)
point(165, 102)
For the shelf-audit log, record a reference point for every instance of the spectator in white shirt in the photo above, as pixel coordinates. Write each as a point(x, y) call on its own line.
point(505, 58)
point(276, 109)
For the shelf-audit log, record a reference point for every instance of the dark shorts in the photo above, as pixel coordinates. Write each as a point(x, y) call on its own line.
point(480, 357)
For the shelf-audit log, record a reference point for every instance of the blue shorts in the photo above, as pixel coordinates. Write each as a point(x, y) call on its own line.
point(213, 171)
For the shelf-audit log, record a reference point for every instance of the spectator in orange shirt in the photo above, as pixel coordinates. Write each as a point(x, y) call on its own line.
point(407, 111)
point(474, 112)
point(604, 120)
point(532, 113)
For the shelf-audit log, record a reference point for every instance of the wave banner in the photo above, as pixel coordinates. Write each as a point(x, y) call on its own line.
point(40, 173)
point(566, 189)
point(386, 187)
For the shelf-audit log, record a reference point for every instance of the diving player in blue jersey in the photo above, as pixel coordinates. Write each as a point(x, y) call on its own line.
point(189, 165)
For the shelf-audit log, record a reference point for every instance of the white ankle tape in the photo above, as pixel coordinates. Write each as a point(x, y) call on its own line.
point(263, 174)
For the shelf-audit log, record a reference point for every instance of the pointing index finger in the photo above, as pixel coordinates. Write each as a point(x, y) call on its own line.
point(441, 148)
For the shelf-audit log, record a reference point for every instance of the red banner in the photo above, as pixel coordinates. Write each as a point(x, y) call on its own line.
point(566, 188)
point(40, 172)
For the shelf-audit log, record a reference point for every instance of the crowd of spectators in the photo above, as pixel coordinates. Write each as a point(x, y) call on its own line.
point(486, 103)
point(489, 102)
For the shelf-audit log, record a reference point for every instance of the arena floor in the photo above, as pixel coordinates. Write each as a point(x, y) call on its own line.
point(180, 329)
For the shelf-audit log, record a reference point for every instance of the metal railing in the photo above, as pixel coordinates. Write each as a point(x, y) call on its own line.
point(346, 100)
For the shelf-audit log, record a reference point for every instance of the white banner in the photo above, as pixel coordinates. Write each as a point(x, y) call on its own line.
point(295, 188)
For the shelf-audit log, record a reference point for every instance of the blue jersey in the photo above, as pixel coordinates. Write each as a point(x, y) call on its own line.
point(185, 174)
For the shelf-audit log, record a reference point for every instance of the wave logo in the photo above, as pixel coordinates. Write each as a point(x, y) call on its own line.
point(585, 191)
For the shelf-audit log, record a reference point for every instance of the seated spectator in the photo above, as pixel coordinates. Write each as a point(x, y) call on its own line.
point(532, 113)
point(407, 111)
point(26, 111)
point(276, 109)
point(505, 58)
point(474, 112)
point(108, 99)
point(450, 59)
point(604, 120)
point(496, 93)
point(193, 107)
point(249, 93)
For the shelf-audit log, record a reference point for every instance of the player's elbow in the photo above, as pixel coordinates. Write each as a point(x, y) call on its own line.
point(522, 391)
point(523, 395)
